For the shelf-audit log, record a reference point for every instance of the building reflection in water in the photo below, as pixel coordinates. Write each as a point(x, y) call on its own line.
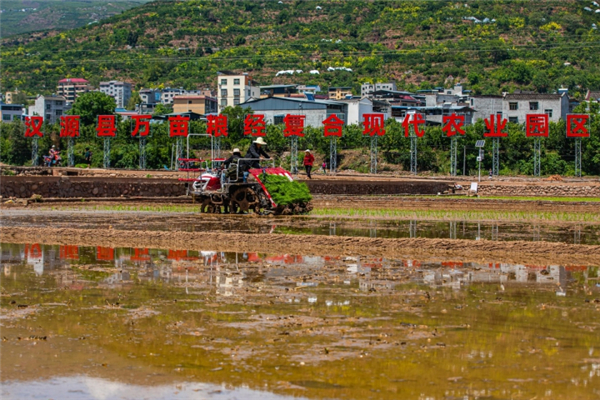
point(228, 273)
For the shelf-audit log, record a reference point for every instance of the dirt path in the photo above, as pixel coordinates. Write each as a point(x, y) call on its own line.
point(517, 252)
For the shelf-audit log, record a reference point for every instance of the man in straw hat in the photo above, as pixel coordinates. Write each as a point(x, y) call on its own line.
point(256, 152)
point(231, 166)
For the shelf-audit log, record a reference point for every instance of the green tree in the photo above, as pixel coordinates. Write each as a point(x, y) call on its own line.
point(89, 105)
point(134, 100)
point(162, 109)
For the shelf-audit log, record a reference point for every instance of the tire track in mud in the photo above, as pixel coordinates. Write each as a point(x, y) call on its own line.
point(482, 251)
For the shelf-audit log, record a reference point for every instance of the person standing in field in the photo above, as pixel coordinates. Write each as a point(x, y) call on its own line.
point(309, 160)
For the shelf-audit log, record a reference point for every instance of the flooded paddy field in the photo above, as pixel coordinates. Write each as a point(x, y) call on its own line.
point(574, 232)
point(94, 322)
point(104, 304)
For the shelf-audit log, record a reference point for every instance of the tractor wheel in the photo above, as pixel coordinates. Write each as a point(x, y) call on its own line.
point(242, 200)
point(207, 206)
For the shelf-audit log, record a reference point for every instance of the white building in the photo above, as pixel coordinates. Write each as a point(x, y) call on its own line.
point(367, 89)
point(357, 108)
point(120, 91)
point(50, 107)
point(168, 94)
point(516, 106)
point(235, 89)
point(485, 106)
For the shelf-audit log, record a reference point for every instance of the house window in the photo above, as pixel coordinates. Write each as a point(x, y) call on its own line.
point(5, 117)
point(236, 102)
point(549, 112)
point(236, 81)
point(48, 117)
point(223, 92)
point(189, 102)
point(513, 106)
point(223, 102)
point(223, 81)
point(278, 119)
point(249, 93)
point(58, 113)
point(534, 105)
point(48, 107)
point(513, 120)
point(236, 92)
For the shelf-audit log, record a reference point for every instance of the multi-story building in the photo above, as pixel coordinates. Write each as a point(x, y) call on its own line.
point(338, 93)
point(120, 91)
point(516, 106)
point(357, 108)
point(150, 96)
point(11, 112)
point(169, 94)
point(197, 104)
point(309, 89)
point(367, 89)
point(235, 89)
point(485, 106)
point(50, 107)
point(70, 88)
point(9, 96)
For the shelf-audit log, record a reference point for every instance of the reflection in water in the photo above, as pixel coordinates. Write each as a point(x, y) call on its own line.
point(574, 233)
point(174, 323)
point(85, 387)
point(222, 269)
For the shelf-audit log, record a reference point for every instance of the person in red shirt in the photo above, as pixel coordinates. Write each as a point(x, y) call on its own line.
point(309, 159)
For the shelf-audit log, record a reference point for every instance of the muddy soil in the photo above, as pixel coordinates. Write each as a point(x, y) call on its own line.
point(451, 203)
point(459, 250)
point(351, 202)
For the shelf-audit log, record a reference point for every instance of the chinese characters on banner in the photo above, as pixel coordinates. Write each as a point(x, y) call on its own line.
point(254, 125)
point(178, 126)
point(576, 125)
point(294, 125)
point(69, 126)
point(142, 125)
point(332, 126)
point(495, 126)
point(105, 253)
point(373, 124)
point(69, 252)
point(33, 126)
point(106, 126)
point(415, 120)
point(140, 255)
point(216, 125)
point(453, 125)
point(537, 125)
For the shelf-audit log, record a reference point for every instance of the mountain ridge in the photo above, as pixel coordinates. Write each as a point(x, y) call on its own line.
point(420, 44)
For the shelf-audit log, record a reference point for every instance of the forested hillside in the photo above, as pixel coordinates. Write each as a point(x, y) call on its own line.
point(22, 16)
point(491, 46)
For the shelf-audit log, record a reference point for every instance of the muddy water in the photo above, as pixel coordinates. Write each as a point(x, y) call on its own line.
point(432, 229)
point(102, 323)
